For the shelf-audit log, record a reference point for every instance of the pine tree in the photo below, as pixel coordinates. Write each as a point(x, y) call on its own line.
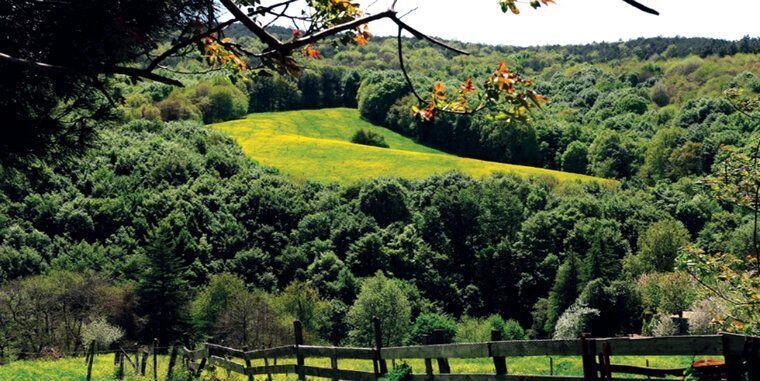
point(163, 293)
point(563, 293)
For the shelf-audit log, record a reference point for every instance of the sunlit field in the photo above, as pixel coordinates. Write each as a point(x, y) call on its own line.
point(103, 368)
point(314, 145)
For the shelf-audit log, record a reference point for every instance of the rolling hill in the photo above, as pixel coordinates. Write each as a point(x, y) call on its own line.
point(314, 144)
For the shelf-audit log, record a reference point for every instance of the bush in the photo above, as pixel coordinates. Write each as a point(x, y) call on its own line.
point(178, 107)
point(220, 102)
point(378, 92)
point(574, 321)
point(659, 94)
point(663, 325)
point(401, 372)
point(369, 138)
point(512, 330)
point(429, 322)
point(701, 319)
point(383, 298)
point(102, 333)
point(575, 158)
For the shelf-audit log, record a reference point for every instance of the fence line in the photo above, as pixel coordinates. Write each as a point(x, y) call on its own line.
point(741, 354)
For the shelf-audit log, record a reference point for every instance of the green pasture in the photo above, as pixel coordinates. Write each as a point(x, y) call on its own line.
point(314, 145)
point(74, 369)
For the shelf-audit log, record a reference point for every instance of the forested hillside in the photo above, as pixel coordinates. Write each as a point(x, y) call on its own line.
point(157, 198)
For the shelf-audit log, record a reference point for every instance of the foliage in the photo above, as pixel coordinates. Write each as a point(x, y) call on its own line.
point(670, 293)
point(369, 138)
point(401, 372)
point(310, 145)
point(100, 332)
point(658, 248)
point(163, 292)
point(426, 323)
point(574, 321)
point(382, 298)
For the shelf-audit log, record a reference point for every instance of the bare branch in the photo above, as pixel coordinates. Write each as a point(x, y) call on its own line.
point(403, 67)
point(642, 7)
point(423, 36)
point(389, 14)
point(259, 31)
point(179, 45)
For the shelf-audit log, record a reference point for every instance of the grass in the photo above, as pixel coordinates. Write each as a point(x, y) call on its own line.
point(73, 369)
point(314, 145)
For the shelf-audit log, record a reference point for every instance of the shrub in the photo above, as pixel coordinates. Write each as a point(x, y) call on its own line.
point(512, 330)
point(574, 321)
point(663, 325)
point(701, 319)
point(102, 333)
point(401, 372)
point(378, 92)
point(383, 298)
point(659, 94)
point(369, 138)
point(429, 322)
point(575, 158)
point(221, 102)
point(177, 107)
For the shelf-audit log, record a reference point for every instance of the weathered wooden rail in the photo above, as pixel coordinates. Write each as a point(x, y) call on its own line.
point(741, 356)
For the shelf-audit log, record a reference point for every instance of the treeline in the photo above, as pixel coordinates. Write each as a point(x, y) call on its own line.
point(216, 98)
point(162, 210)
point(609, 126)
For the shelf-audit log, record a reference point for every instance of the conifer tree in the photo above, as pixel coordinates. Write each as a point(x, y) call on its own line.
point(163, 292)
point(564, 291)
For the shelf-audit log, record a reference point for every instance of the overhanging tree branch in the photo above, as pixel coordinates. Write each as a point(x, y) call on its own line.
point(642, 7)
point(123, 70)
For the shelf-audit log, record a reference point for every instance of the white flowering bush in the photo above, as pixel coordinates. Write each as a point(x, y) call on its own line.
point(701, 319)
point(574, 321)
point(663, 325)
point(101, 332)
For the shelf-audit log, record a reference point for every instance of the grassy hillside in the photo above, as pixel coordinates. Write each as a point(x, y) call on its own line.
point(314, 144)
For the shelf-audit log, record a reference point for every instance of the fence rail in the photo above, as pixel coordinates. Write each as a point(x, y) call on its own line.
point(741, 354)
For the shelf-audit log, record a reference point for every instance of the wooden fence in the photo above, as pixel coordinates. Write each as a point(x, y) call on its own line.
point(741, 355)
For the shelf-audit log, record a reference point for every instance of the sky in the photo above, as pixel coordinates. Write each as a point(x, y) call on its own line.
point(573, 21)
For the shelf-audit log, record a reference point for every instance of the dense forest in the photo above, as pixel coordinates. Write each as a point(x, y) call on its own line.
point(155, 198)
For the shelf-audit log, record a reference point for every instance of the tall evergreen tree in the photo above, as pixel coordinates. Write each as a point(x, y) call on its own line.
point(564, 291)
point(163, 292)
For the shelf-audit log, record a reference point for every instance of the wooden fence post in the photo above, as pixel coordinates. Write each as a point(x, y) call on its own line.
point(90, 356)
point(499, 362)
point(137, 361)
point(155, 360)
point(116, 358)
point(247, 359)
point(734, 361)
point(379, 345)
point(144, 362)
point(588, 350)
point(298, 335)
point(551, 366)
point(202, 365)
point(266, 365)
point(443, 363)
point(172, 360)
point(120, 372)
point(334, 365)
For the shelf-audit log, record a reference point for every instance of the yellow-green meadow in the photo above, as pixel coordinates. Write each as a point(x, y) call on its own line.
point(314, 145)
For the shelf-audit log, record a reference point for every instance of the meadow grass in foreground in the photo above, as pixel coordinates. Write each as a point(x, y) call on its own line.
point(103, 369)
point(314, 145)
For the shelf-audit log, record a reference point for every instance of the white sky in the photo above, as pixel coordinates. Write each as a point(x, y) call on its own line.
point(574, 21)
